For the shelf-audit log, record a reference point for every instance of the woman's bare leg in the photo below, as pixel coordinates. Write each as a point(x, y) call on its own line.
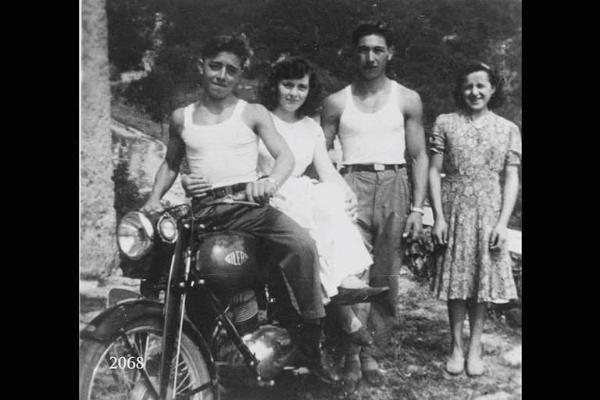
point(475, 366)
point(457, 309)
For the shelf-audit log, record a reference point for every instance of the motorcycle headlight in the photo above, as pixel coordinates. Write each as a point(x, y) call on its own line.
point(135, 235)
point(167, 228)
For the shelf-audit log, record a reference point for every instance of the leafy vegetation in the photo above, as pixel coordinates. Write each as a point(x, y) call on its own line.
point(431, 38)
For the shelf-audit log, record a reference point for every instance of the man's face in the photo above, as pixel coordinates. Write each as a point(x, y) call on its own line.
point(372, 55)
point(221, 74)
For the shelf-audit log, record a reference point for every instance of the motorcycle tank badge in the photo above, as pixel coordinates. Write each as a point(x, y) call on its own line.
point(227, 261)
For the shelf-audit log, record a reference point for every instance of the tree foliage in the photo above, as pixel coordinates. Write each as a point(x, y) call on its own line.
point(431, 38)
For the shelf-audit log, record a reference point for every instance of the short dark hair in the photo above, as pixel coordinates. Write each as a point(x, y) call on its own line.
point(497, 98)
point(371, 28)
point(236, 44)
point(291, 68)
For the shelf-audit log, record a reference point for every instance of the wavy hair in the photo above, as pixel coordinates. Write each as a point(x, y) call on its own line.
point(371, 28)
point(291, 68)
point(235, 44)
point(497, 98)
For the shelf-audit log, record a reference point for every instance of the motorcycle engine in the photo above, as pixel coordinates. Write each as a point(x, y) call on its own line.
point(243, 311)
point(272, 346)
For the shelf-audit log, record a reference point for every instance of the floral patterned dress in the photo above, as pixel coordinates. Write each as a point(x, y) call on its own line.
point(475, 156)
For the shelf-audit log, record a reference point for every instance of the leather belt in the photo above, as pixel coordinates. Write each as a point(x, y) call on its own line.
point(371, 167)
point(222, 192)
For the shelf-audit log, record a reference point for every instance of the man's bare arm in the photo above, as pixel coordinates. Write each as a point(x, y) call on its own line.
point(284, 158)
point(168, 170)
point(330, 117)
point(416, 147)
point(260, 120)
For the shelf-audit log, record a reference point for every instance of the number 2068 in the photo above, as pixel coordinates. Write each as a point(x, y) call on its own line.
point(126, 363)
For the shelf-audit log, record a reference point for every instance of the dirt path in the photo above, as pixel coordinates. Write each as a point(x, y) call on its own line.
point(414, 364)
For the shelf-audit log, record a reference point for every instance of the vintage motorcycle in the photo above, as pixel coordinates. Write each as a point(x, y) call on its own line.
point(208, 315)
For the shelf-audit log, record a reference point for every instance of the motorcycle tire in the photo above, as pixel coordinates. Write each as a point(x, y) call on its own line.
point(101, 378)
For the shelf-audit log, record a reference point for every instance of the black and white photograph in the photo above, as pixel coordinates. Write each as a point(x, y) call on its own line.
point(300, 200)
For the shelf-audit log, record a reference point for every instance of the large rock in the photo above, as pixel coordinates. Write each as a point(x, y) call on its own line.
point(98, 251)
point(137, 157)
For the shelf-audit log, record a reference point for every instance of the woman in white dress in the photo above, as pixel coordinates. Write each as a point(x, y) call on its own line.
point(326, 207)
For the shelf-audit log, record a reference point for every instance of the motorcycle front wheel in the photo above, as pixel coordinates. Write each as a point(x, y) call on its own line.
point(108, 371)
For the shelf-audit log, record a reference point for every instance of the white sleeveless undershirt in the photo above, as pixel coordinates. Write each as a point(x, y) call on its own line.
point(368, 138)
point(301, 136)
point(225, 153)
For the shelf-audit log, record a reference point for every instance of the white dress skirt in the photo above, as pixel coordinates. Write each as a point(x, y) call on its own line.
point(318, 207)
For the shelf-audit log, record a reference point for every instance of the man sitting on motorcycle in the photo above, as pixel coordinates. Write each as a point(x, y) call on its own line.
point(219, 135)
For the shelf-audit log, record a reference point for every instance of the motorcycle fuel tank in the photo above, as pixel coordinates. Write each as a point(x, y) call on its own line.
point(227, 261)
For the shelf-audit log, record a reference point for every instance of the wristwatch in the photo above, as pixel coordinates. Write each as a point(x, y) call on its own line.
point(273, 181)
point(417, 209)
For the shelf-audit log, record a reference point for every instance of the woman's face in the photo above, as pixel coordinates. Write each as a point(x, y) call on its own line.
point(477, 90)
point(293, 93)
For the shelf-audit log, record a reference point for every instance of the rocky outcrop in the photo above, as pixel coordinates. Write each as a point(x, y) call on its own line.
point(136, 158)
point(98, 251)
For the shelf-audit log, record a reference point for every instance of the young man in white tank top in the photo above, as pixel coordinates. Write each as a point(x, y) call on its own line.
point(218, 135)
point(379, 122)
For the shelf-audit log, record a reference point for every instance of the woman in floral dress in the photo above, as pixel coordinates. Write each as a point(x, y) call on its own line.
point(480, 153)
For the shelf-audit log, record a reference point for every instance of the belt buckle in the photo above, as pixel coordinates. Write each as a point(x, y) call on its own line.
point(379, 167)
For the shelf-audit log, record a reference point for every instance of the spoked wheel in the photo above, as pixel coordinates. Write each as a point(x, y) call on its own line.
point(111, 372)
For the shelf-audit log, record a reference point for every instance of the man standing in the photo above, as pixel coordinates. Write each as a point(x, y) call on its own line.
point(218, 135)
point(379, 124)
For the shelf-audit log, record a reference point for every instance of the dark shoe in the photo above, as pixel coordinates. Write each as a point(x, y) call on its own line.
point(374, 377)
point(361, 295)
point(311, 356)
point(317, 366)
point(361, 337)
point(351, 375)
point(370, 368)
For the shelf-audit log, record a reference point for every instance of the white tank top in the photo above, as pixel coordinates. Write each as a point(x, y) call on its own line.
point(225, 153)
point(368, 138)
point(301, 136)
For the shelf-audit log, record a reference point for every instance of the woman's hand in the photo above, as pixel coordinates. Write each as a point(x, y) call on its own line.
point(439, 233)
point(351, 204)
point(498, 237)
point(194, 185)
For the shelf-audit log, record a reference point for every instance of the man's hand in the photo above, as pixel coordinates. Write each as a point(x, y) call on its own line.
point(414, 226)
point(498, 237)
point(439, 233)
point(351, 204)
point(260, 191)
point(194, 185)
point(152, 206)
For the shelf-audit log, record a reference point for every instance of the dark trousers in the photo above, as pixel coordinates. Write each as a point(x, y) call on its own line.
point(288, 245)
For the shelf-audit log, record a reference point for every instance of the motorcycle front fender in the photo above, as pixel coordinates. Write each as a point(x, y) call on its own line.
point(107, 326)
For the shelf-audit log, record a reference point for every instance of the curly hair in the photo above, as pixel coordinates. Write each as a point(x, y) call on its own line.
point(236, 44)
point(291, 68)
point(497, 98)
